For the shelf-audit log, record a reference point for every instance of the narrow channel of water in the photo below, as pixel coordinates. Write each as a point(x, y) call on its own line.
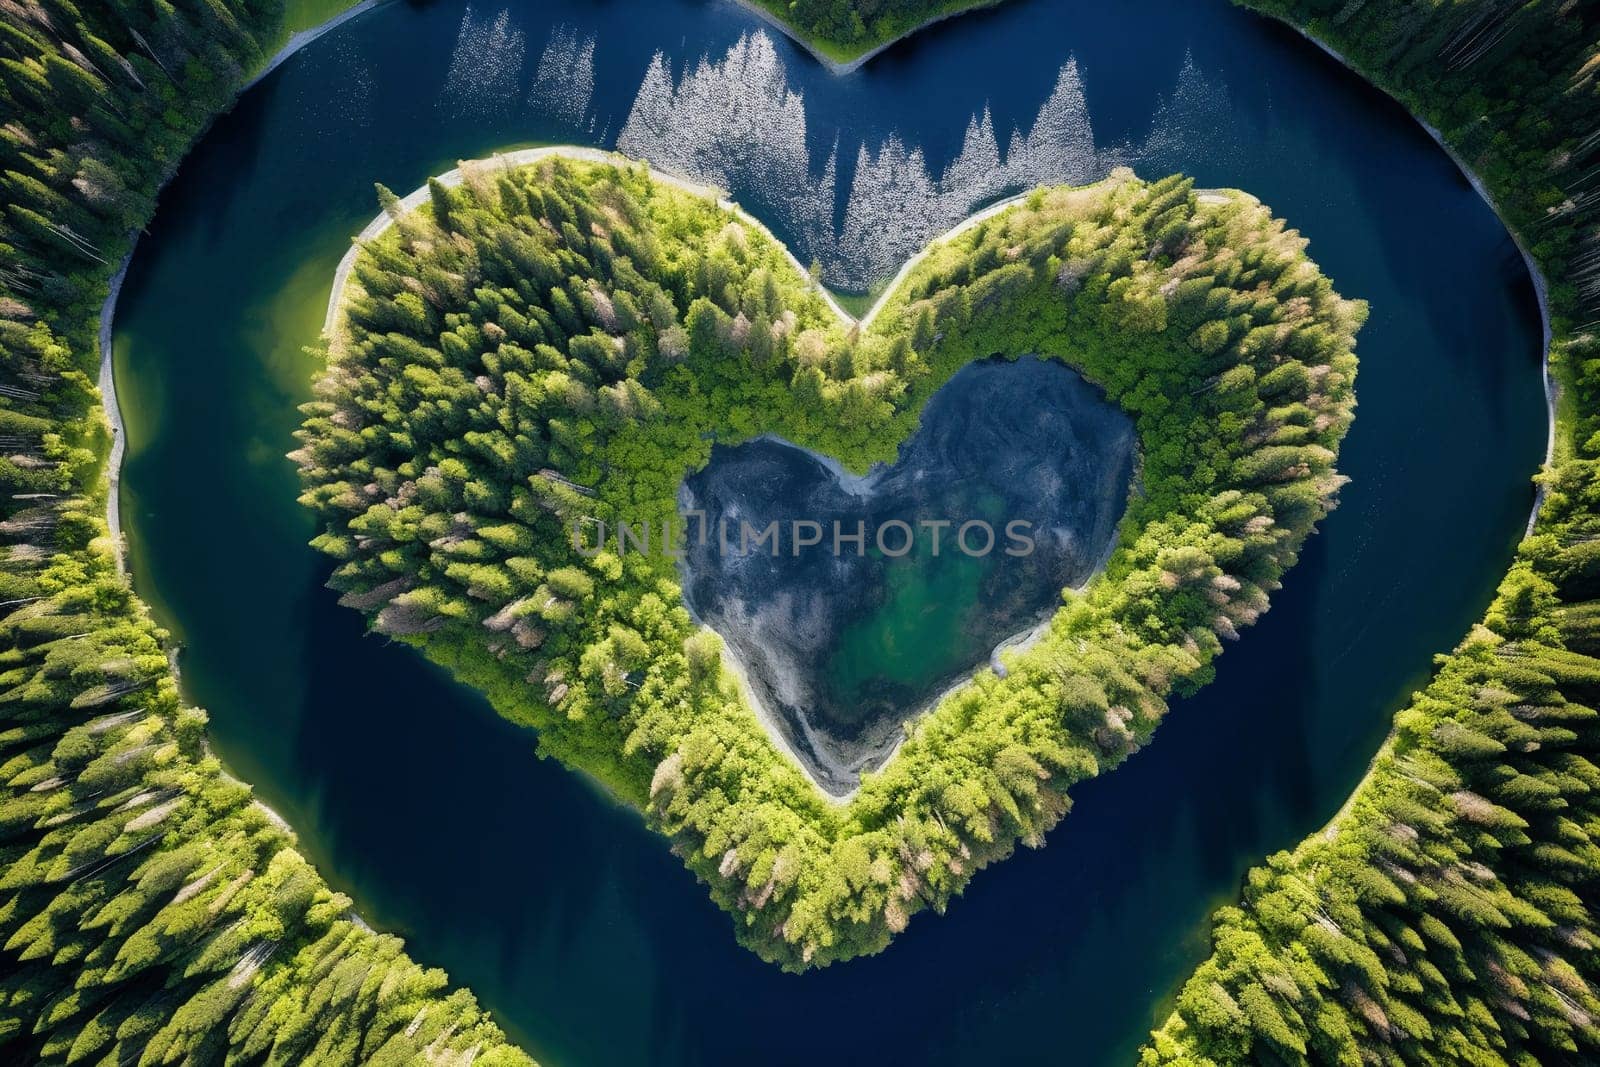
point(573, 923)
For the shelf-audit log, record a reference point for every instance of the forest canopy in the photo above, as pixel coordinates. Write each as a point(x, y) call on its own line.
point(562, 342)
point(846, 29)
point(150, 910)
point(1448, 913)
point(102, 100)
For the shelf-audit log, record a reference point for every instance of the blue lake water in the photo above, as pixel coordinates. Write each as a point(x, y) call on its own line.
point(573, 923)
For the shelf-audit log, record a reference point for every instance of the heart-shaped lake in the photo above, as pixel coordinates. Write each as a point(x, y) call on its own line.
point(1010, 491)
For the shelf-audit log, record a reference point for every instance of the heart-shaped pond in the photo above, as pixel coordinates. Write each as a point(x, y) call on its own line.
point(848, 602)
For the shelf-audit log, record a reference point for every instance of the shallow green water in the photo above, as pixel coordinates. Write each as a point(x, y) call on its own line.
point(916, 629)
point(574, 924)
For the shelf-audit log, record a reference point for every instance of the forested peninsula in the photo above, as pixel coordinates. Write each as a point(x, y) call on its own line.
point(560, 343)
point(1448, 913)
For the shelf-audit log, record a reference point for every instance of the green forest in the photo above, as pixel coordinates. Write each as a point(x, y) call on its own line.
point(150, 911)
point(1447, 914)
point(560, 343)
point(846, 29)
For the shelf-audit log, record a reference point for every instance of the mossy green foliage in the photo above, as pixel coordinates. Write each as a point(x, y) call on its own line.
point(846, 29)
point(150, 912)
point(562, 342)
point(1448, 915)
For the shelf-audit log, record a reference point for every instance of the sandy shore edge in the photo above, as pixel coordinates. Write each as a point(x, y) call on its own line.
point(113, 414)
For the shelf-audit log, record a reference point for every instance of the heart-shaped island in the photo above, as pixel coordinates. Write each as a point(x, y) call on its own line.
point(530, 357)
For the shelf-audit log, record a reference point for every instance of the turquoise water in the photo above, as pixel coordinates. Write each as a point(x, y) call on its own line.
point(570, 920)
point(916, 628)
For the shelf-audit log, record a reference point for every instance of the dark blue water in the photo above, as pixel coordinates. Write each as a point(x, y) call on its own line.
point(573, 923)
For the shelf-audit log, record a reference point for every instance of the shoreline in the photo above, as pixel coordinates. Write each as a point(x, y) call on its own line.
point(300, 38)
point(841, 67)
point(1330, 829)
point(522, 157)
point(1541, 286)
point(105, 381)
point(111, 408)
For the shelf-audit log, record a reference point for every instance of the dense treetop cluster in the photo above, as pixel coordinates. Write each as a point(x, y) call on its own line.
point(845, 29)
point(1448, 914)
point(150, 911)
point(561, 343)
